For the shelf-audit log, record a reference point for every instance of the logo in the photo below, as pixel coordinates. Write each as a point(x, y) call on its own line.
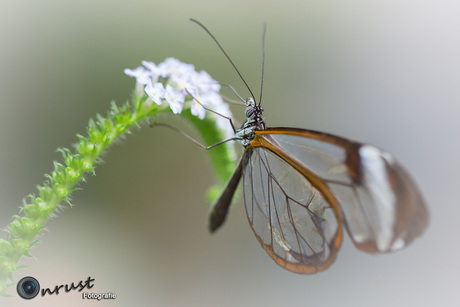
point(29, 287)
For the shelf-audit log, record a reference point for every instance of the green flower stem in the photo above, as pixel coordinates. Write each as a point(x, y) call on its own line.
point(37, 209)
point(223, 157)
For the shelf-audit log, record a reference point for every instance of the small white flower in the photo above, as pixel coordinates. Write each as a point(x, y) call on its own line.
point(181, 79)
point(185, 83)
point(154, 70)
point(155, 91)
point(197, 109)
point(175, 99)
point(172, 66)
point(206, 83)
point(140, 73)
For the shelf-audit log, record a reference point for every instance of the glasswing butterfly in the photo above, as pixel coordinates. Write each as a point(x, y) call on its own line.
point(302, 187)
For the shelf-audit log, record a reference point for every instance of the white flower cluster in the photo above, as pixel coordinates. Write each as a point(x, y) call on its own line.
point(181, 79)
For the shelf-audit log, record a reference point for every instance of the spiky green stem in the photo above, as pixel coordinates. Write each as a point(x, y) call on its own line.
point(101, 133)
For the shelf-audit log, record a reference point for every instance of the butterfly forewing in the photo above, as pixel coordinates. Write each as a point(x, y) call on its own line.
point(381, 207)
point(296, 225)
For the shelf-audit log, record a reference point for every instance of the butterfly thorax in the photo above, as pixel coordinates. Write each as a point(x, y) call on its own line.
point(254, 121)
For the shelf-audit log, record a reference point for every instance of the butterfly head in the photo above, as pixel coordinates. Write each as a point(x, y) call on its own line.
point(254, 114)
point(254, 121)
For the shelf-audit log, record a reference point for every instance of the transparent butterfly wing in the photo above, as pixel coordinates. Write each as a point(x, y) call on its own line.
point(380, 205)
point(295, 223)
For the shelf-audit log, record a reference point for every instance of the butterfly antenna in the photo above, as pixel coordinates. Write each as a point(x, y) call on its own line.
point(225, 53)
point(263, 63)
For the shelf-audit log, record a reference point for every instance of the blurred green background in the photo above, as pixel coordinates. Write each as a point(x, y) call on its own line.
point(382, 72)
